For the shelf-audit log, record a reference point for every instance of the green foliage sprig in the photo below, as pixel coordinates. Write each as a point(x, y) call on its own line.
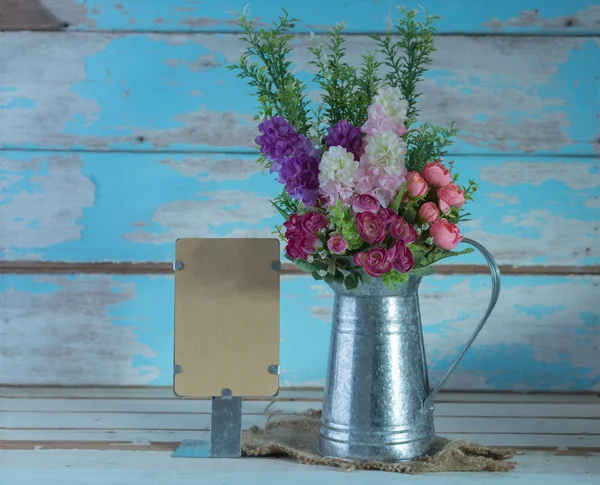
point(407, 58)
point(266, 65)
point(347, 92)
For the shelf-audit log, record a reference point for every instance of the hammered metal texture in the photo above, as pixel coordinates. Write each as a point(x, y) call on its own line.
point(377, 384)
point(377, 404)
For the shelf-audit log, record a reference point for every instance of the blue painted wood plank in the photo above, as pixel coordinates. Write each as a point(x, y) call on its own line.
point(157, 92)
point(132, 207)
point(509, 16)
point(117, 330)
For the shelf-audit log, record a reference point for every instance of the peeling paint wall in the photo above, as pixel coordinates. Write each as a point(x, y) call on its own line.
point(117, 330)
point(121, 130)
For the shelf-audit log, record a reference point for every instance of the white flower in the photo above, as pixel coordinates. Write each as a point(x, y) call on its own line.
point(337, 171)
point(429, 241)
point(392, 102)
point(386, 148)
point(419, 230)
point(338, 164)
point(331, 226)
point(310, 258)
point(321, 272)
point(323, 254)
point(425, 226)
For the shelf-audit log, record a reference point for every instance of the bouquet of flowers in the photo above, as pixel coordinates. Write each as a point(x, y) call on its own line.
point(366, 191)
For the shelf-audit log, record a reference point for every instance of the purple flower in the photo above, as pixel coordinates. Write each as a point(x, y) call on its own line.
point(279, 138)
point(300, 172)
point(344, 134)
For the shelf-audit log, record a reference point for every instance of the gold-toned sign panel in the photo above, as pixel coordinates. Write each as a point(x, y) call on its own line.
point(226, 317)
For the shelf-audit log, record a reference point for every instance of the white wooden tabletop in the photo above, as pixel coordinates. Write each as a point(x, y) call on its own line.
point(126, 436)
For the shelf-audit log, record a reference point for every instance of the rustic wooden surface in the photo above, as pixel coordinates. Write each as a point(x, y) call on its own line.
point(118, 329)
point(508, 94)
point(65, 206)
point(576, 17)
point(126, 436)
point(121, 130)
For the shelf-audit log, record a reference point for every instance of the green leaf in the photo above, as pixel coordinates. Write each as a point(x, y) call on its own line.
point(338, 277)
point(409, 214)
point(398, 200)
point(351, 282)
point(426, 271)
point(280, 210)
point(309, 267)
point(393, 279)
point(438, 255)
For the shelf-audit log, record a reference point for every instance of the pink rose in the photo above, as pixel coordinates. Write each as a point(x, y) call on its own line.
point(378, 122)
point(313, 222)
point(365, 203)
point(416, 185)
point(401, 257)
point(445, 235)
point(450, 196)
point(300, 232)
point(387, 215)
point(370, 227)
point(436, 174)
point(293, 249)
point(403, 231)
point(429, 212)
point(374, 261)
point(337, 244)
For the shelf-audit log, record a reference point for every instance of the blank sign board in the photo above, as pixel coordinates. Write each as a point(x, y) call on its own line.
point(226, 317)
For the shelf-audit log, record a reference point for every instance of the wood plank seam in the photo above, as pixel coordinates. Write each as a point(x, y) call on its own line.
point(57, 267)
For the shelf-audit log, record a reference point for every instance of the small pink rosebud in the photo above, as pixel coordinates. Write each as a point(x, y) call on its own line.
point(436, 174)
point(450, 196)
point(416, 186)
point(429, 212)
point(337, 244)
point(445, 235)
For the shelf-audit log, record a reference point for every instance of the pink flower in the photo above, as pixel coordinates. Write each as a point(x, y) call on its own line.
point(337, 244)
point(370, 227)
point(450, 196)
point(387, 215)
point(333, 190)
point(429, 212)
point(378, 122)
point(301, 234)
point(416, 185)
point(365, 203)
point(445, 235)
point(313, 222)
point(436, 174)
point(401, 257)
point(374, 261)
point(381, 181)
point(403, 231)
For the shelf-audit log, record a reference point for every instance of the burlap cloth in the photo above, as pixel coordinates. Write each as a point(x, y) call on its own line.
point(296, 436)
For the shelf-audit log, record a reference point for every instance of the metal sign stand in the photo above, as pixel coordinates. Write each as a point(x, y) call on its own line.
point(225, 431)
point(226, 333)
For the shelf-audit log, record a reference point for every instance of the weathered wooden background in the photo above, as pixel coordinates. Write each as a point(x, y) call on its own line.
point(121, 130)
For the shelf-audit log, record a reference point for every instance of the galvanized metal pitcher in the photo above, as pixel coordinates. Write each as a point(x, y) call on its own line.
point(378, 405)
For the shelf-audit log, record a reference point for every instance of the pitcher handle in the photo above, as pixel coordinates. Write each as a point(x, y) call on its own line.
point(495, 273)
